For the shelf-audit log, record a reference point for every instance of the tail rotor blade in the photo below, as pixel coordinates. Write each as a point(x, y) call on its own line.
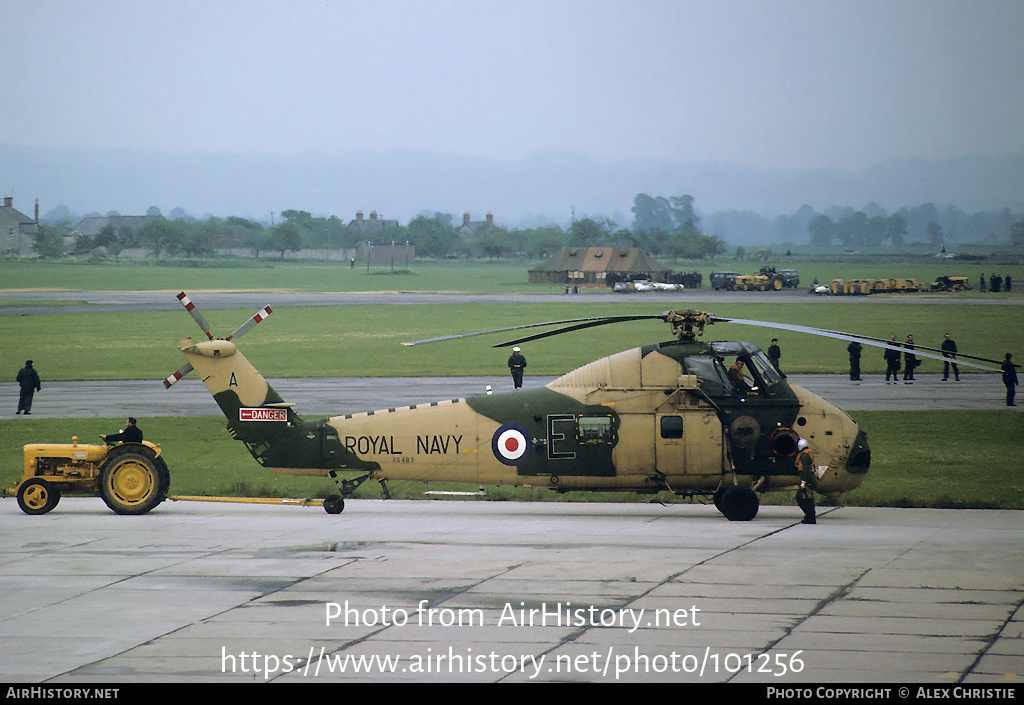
point(260, 316)
point(177, 375)
point(191, 308)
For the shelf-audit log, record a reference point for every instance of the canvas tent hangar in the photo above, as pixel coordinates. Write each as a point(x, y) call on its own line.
point(593, 265)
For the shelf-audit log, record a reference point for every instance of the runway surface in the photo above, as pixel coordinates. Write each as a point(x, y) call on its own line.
point(428, 591)
point(69, 302)
point(318, 397)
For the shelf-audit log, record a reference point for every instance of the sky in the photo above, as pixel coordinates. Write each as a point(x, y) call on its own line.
point(767, 84)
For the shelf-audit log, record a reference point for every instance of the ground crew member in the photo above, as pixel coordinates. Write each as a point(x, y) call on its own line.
point(949, 352)
point(516, 364)
point(909, 361)
point(130, 434)
point(28, 379)
point(1010, 379)
point(854, 348)
point(892, 360)
point(775, 354)
point(808, 480)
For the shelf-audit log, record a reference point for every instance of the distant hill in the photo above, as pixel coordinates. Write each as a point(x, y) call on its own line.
point(543, 188)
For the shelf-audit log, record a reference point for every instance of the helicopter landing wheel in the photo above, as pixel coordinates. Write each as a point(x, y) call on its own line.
point(739, 503)
point(334, 504)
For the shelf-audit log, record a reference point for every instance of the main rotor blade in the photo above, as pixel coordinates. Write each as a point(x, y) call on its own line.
point(608, 319)
point(846, 336)
point(198, 317)
point(589, 324)
point(260, 316)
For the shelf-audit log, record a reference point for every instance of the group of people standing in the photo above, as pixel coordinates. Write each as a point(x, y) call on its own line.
point(895, 351)
point(996, 282)
point(893, 354)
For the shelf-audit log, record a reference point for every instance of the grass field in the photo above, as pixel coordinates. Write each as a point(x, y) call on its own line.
point(919, 459)
point(470, 276)
point(356, 341)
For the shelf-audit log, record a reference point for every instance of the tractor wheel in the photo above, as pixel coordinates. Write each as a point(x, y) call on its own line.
point(133, 482)
point(777, 283)
point(37, 496)
point(739, 503)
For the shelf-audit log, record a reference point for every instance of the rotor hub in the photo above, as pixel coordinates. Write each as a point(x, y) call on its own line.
point(688, 324)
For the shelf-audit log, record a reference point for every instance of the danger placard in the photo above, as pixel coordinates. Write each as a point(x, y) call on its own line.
point(262, 414)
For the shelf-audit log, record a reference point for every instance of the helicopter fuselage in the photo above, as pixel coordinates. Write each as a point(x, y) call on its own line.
point(661, 417)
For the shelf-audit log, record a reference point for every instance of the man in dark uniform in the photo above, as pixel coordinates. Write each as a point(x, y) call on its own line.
point(808, 479)
point(775, 354)
point(949, 352)
point(854, 348)
point(892, 360)
point(516, 364)
point(1010, 379)
point(130, 434)
point(909, 360)
point(28, 379)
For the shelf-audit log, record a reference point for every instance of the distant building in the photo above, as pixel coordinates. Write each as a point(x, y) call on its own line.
point(373, 226)
point(593, 265)
point(17, 230)
point(470, 227)
point(91, 226)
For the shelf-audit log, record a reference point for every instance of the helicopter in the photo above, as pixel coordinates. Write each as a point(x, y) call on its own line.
point(671, 416)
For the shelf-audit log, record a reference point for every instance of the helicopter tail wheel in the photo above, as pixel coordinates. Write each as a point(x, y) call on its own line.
point(37, 496)
point(133, 483)
point(739, 503)
point(334, 504)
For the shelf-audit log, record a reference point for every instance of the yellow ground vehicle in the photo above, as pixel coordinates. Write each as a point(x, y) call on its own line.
point(751, 282)
point(132, 478)
point(874, 286)
point(945, 283)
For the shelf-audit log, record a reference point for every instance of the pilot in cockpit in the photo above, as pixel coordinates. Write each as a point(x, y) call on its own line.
point(739, 380)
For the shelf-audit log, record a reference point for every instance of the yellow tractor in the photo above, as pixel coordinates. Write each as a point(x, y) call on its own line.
point(132, 478)
point(945, 283)
point(751, 282)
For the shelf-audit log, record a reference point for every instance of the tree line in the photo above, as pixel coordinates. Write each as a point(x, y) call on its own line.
point(666, 227)
point(872, 226)
point(663, 227)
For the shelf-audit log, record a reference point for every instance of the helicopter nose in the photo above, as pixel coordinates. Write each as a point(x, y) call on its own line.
point(860, 455)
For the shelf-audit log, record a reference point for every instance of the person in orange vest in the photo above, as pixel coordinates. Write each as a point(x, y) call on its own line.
point(808, 479)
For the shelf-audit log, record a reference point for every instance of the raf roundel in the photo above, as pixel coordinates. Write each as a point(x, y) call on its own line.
point(511, 444)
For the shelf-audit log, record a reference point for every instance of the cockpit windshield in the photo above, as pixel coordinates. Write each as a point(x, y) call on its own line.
point(765, 368)
point(748, 364)
point(713, 379)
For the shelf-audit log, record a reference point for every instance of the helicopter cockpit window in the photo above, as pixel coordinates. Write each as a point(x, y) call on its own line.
point(764, 367)
point(713, 379)
point(742, 376)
